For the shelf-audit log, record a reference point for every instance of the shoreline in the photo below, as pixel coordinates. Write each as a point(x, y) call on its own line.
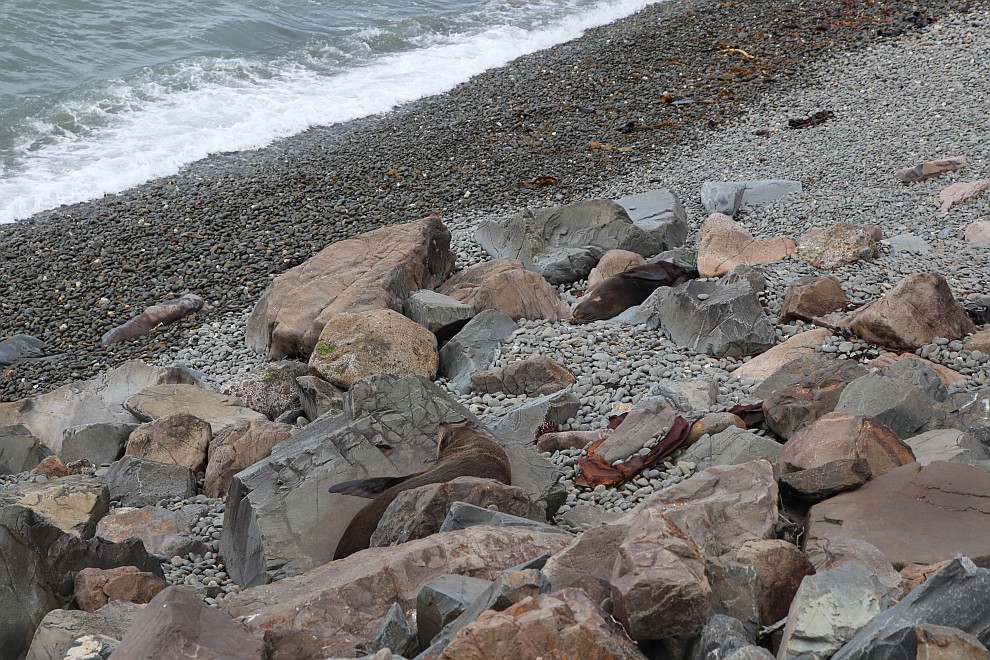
point(224, 226)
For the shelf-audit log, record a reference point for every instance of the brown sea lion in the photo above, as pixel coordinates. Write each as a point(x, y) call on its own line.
point(629, 288)
point(462, 452)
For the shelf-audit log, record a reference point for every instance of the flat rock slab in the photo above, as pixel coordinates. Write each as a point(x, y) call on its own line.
point(98, 400)
point(73, 504)
point(946, 507)
point(218, 410)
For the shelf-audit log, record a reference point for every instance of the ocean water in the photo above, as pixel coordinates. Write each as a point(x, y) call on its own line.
point(97, 96)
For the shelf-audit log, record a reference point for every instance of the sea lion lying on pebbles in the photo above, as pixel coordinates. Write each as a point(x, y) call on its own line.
point(462, 452)
point(629, 288)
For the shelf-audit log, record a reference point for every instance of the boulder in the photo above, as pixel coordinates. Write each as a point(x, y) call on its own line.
point(178, 438)
point(839, 451)
point(565, 623)
point(395, 633)
point(724, 197)
point(21, 347)
point(52, 467)
point(642, 424)
point(588, 560)
point(217, 410)
point(563, 244)
point(162, 531)
point(811, 296)
point(839, 245)
point(463, 285)
point(780, 567)
point(907, 243)
point(708, 317)
point(731, 446)
point(792, 408)
point(443, 599)
point(612, 263)
point(521, 294)
point(726, 637)
point(139, 482)
point(462, 515)
point(559, 440)
point(735, 592)
point(73, 504)
point(99, 444)
point(336, 607)
point(60, 630)
point(950, 445)
point(931, 169)
point(961, 193)
point(474, 348)
point(724, 244)
point(755, 276)
point(375, 270)
point(978, 232)
point(712, 424)
point(95, 587)
point(238, 447)
point(440, 314)
point(887, 359)
point(20, 451)
point(754, 192)
point(271, 389)
point(98, 400)
point(945, 500)
point(657, 211)
point(380, 341)
point(533, 377)
point(802, 344)
point(318, 397)
point(177, 624)
point(688, 396)
point(855, 551)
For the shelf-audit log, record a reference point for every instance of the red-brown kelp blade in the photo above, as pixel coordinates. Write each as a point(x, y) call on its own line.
point(596, 471)
point(751, 415)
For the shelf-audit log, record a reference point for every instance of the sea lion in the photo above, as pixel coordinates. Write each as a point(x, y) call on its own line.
point(461, 452)
point(629, 288)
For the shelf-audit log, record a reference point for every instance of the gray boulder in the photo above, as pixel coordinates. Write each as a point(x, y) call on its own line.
point(730, 447)
point(443, 599)
point(139, 482)
point(658, 211)
point(729, 196)
point(60, 630)
point(21, 347)
point(947, 445)
point(97, 443)
point(474, 348)
point(396, 633)
point(437, 312)
point(20, 451)
point(463, 515)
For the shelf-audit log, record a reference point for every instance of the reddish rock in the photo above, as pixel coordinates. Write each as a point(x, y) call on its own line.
point(533, 377)
point(840, 451)
point(95, 587)
point(463, 285)
point(724, 244)
point(766, 364)
point(521, 294)
point(642, 424)
point(780, 567)
point(176, 439)
point(978, 342)
point(912, 575)
point(838, 245)
point(792, 408)
point(270, 389)
point(240, 446)
point(978, 233)
point(53, 468)
point(961, 193)
point(914, 515)
point(931, 169)
point(612, 263)
point(163, 532)
point(375, 270)
point(711, 424)
point(563, 624)
point(811, 296)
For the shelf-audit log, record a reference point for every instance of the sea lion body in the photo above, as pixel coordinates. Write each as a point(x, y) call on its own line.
point(629, 288)
point(462, 452)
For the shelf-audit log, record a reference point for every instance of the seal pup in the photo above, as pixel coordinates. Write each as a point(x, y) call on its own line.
point(461, 452)
point(629, 288)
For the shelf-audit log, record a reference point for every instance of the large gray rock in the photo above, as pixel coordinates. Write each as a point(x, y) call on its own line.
point(100, 399)
point(21, 347)
point(217, 410)
point(20, 451)
point(658, 211)
point(437, 312)
point(564, 243)
point(443, 599)
point(97, 443)
point(729, 196)
point(140, 482)
point(726, 637)
point(954, 596)
point(61, 629)
point(730, 447)
point(474, 348)
point(947, 445)
point(708, 317)
point(463, 515)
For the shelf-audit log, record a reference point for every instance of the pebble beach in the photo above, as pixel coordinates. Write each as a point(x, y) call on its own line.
point(583, 120)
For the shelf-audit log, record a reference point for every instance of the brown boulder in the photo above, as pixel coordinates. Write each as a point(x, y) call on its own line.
point(588, 560)
point(375, 270)
point(838, 245)
point(380, 341)
point(562, 624)
point(270, 389)
point(163, 532)
point(978, 342)
point(533, 377)
point(711, 424)
point(793, 407)
point(961, 193)
point(837, 452)
point(176, 439)
point(780, 567)
point(766, 364)
point(521, 294)
point(913, 575)
point(724, 244)
point(74, 504)
point(240, 446)
point(95, 587)
point(612, 263)
point(52, 467)
point(218, 410)
point(811, 296)
point(931, 169)
point(914, 515)
point(463, 285)
point(978, 233)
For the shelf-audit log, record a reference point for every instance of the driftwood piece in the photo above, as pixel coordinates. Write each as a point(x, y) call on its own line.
point(164, 313)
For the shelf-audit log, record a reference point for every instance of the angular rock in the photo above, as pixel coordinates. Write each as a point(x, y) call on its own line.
point(765, 365)
point(60, 630)
point(98, 400)
point(978, 233)
point(659, 588)
point(657, 210)
point(73, 504)
point(855, 551)
point(643, 423)
point(271, 389)
point(726, 637)
point(474, 348)
point(821, 620)
point(792, 408)
point(556, 441)
point(318, 397)
point(947, 445)
point(20, 451)
point(396, 633)
point(565, 623)
point(588, 560)
point(811, 296)
point(837, 452)
point(337, 607)
point(914, 575)
point(443, 599)
point(375, 270)
point(564, 243)
point(839, 245)
point(907, 243)
point(463, 515)
point(612, 263)
point(463, 285)
point(218, 410)
point(887, 359)
point(436, 312)
point(162, 531)
point(97, 443)
point(755, 276)
point(52, 467)
point(535, 376)
point(780, 567)
point(947, 500)
point(955, 596)
point(139, 482)
point(734, 592)
point(730, 447)
point(240, 446)
point(732, 195)
point(95, 587)
point(961, 193)
point(419, 512)
point(521, 294)
point(931, 169)
point(712, 424)
point(707, 317)
point(697, 394)
point(177, 624)
point(178, 438)
point(725, 244)
point(21, 347)
point(380, 341)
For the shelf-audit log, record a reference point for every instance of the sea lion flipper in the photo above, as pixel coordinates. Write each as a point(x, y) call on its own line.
point(370, 487)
